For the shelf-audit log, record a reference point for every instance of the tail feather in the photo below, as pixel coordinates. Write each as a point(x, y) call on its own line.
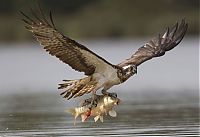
point(67, 94)
point(75, 88)
point(85, 89)
point(66, 84)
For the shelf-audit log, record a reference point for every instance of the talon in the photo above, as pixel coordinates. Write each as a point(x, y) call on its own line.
point(86, 102)
point(91, 102)
point(104, 92)
point(94, 101)
point(94, 104)
point(112, 95)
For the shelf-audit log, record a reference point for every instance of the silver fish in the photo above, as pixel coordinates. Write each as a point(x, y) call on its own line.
point(84, 112)
point(105, 105)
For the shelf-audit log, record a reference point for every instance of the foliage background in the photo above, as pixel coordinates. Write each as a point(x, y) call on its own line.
point(100, 19)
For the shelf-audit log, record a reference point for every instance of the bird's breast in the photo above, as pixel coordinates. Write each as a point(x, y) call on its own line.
point(110, 79)
point(107, 79)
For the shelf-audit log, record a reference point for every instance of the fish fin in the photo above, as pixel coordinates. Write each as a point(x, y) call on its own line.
point(112, 113)
point(75, 121)
point(102, 108)
point(106, 112)
point(71, 111)
point(84, 117)
point(96, 118)
point(101, 119)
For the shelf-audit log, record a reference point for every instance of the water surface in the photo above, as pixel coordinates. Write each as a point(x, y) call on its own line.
point(43, 115)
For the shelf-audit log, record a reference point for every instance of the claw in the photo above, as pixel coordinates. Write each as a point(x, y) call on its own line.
point(94, 101)
point(114, 95)
point(104, 92)
point(91, 102)
point(86, 102)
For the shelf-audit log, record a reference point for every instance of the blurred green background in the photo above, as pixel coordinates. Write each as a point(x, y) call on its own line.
point(100, 19)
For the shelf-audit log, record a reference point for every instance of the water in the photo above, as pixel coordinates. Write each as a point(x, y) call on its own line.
point(161, 100)
point(43, 115)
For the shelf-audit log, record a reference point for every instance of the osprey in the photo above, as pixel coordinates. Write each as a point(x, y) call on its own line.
point(100, 74)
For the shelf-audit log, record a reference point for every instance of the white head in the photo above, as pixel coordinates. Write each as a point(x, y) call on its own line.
point(127, 71)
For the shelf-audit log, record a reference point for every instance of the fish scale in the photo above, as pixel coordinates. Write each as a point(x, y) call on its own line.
point(105, 104)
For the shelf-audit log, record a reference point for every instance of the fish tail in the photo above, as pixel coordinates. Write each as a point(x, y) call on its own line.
point(75, 88)
point(73, 112)
point(84, 117)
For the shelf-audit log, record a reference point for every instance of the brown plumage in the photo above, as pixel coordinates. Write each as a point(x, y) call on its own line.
point(64, 48)
point(75, 88)
point(100, 73)
point(68, 51)
point(158, 45)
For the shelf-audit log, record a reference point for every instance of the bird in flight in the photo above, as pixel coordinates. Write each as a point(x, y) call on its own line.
point(100, 74)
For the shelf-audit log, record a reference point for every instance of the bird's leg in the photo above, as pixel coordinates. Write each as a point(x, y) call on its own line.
point(86, 102)
point(104, 92)
point(94, 101)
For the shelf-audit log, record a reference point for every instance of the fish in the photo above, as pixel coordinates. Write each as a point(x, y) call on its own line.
point(104, 106)
point(83, 111)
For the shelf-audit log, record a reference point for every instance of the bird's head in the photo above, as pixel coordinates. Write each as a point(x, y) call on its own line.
point(127, 71)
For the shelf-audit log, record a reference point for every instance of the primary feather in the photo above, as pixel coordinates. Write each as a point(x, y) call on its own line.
point(157, 46)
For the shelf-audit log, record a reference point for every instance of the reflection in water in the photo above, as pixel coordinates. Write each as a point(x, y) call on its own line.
point(43, 115)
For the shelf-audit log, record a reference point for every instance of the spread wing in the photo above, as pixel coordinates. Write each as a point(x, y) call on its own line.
point(67, 50)
point(158, 46)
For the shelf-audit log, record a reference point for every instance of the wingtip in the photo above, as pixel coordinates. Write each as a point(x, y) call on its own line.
point(182, 29)
point(51, 18)
point(183, 20)
point(20, 12)
point(186, 26)
point(166, 34)
point(183, 25)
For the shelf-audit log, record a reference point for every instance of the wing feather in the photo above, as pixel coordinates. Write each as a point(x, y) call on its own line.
point(67, 50)
point(158, 45)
